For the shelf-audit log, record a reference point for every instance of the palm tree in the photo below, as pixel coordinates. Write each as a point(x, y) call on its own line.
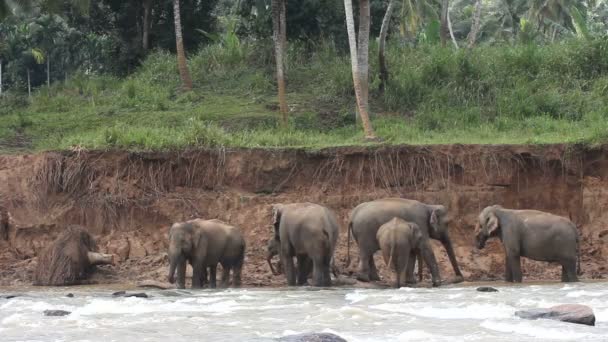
point(279, 26)
point(475, 25)
point(359, 54)
point(382, 44)
point(181, 54)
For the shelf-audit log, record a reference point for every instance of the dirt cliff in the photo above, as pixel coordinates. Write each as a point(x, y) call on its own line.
point(128, 200)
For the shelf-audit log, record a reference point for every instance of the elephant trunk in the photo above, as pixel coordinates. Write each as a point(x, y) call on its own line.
point(480, 237)
point(269, 259)
point(173, 262)
point(447, 244)
point(100, 258)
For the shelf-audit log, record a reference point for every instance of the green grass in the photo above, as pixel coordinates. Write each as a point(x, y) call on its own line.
point(491, 95)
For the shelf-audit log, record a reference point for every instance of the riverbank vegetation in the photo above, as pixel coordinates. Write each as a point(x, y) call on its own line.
point(516, 84)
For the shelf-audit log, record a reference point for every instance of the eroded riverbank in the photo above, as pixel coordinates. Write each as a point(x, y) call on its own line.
point(127, 200)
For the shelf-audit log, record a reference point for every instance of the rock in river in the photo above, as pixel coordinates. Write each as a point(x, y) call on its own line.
point(486, 289)
point(571, 313)
point(56, 313)
point(312, 337)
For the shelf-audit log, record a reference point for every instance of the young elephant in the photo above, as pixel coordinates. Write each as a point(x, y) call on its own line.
point(399, 241)
point(533, 234)
point(309, 232)
point(205, 243)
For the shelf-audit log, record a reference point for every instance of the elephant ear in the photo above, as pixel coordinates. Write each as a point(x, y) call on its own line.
point(493, 224)
point(276, 218)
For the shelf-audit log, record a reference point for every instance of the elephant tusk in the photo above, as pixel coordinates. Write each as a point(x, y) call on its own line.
point(100, 258)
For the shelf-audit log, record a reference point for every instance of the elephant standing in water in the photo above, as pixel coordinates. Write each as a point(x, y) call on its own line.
point(366, 219)
point(308, 232)
point(533, 234)
point(205, 243)
point(399, 241)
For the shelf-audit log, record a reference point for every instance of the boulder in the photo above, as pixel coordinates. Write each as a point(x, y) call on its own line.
point(486, 289)
point(127, 295)
point(571, 313)
point(312, 337)
point(70, 295)
point(56, 313)
point(155, 284)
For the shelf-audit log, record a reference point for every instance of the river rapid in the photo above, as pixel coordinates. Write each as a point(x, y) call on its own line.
point(452, 313)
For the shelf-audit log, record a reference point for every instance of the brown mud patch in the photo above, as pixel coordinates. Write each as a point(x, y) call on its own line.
point(127, 200)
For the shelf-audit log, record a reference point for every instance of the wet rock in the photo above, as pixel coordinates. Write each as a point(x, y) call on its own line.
point(127, 295)
point(9, 296)
point(70, 295)
point(312, 337)
point(155, 284)
point(56, 313)
point(571, 313)
point(486, 289)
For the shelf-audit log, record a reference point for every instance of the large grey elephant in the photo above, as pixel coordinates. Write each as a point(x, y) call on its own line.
point(308, 232)
point(205, 243)
point(366, 219)
point(401, 241)
point(533, 234)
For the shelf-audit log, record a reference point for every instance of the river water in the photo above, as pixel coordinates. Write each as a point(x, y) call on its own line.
point(456, 313)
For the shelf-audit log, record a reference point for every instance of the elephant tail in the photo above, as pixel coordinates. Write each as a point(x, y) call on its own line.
point(390, 258)
point(348, 234)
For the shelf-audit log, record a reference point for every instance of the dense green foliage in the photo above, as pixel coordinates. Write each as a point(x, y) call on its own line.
point(501, 94)
point(538, 75)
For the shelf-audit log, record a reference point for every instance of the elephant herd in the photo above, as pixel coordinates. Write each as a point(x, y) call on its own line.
point(399, 228)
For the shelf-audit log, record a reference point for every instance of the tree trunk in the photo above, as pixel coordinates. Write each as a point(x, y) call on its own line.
point(476, 25)
point(382, 44)
point(181, 54)
point(0, 77)
point(279, 38)
point(450, 29)
point(48, 72)
point(356, 60)
point(29, 88)
point(146, 25)
point(443, 30)
point(363, 51)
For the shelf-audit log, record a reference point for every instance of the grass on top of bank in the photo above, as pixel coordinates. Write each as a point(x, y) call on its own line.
point(491, 95)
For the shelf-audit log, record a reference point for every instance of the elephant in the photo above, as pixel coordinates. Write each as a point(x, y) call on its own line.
point(205, 243)
point(367, 217)
point(532, 234)
point(308, 232)
point(399, 241)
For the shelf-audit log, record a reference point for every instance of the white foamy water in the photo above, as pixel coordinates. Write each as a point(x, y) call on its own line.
point(445, 314)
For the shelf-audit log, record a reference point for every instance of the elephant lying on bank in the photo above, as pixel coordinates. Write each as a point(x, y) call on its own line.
point(533, 234)
point(401, 241)
point(308, 232)
point(69, 259)
point(205, 243)
point(366, 219)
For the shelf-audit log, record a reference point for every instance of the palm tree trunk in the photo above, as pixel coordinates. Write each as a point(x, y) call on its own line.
point(181, 54)
point(382, 44)
point(147, 19)
point(279, 36)
point(443, 34)
point(29, 88)
point(450, 29)
point(476, 24)
point(356, 60)
point(0, 77)
point(48, 72)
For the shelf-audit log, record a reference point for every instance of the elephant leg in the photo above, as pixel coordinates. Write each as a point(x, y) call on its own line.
point(515, 263)
point(321, 271)
point(225, 276)
point(212, 276)
point(373, 271)
point(236, 274)
point(508, 270)
point(409, 271)
point(181, 275)
point(304, 266)
point(364, 267)
point(569, 271)
point(401, 267)
point(197, 270)
point(204, 279)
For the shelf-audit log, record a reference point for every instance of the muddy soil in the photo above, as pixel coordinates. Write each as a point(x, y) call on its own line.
point(128, 200)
